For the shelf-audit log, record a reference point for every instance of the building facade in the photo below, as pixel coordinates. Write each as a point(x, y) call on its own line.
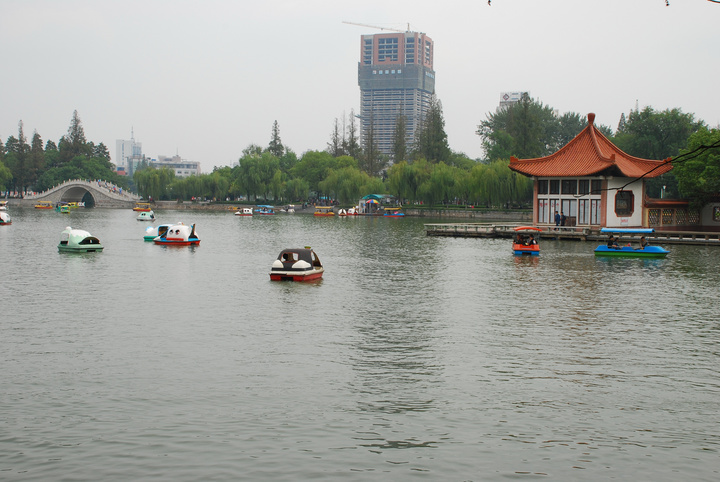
point(182, 167)
point(128, 154)
point(594, 184)
point(396, 77)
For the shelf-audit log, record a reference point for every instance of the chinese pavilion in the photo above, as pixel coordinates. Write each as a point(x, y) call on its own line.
point(592, 182)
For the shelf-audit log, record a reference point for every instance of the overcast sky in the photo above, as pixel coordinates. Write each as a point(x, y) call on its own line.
point(204, 79)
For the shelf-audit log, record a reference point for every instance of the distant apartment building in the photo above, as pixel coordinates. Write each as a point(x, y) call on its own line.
point(182, 167)
point(128, 155)
point(396, 77)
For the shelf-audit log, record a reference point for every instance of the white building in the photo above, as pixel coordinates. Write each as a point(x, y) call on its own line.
point(126, 151)
point(182, 167)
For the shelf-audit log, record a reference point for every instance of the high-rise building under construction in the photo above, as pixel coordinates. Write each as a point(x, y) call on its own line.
point(396, 77)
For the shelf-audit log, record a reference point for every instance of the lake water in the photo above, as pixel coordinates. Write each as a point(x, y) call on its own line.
point(415, 358)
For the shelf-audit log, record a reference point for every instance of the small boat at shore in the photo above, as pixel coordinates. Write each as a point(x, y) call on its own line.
point(78, 241)
point(323, 211)
point(299, 264)
point(265, 210)
point(178, 235)
point(644, 250)
point(393, 212)
point(5, 219)
point(525, 242)
point(244, 212)
point(3, 205)
point(142, 207)
point(146, 216)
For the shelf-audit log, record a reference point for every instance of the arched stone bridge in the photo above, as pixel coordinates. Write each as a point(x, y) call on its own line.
point(93, 193)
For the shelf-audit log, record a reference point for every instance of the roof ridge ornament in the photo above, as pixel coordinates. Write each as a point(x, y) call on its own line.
point(591, 118)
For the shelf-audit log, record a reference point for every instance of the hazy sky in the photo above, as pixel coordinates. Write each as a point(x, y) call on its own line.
point(204, 79)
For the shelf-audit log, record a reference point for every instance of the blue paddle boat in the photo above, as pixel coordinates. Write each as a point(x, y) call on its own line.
point(644, 250)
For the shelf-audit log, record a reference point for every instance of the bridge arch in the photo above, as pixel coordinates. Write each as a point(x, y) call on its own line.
point(92, 193)
point(78, 194)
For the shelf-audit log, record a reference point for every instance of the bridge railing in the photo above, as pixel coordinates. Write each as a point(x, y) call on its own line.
point(107, 188)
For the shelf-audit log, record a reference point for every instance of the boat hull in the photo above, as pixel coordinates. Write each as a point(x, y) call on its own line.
point(308, 275)
point(629, 252)
point(179, 242)
point(75, 249)
point(523, 250)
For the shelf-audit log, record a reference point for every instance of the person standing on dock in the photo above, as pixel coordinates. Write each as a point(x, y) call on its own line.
point(557, 220)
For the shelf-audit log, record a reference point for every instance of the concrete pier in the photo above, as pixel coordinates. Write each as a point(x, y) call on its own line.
point(485, 230)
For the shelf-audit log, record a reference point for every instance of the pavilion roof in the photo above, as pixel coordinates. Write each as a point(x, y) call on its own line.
point(590, 153)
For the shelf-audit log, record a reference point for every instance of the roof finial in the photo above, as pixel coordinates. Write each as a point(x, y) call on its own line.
point(591, 118)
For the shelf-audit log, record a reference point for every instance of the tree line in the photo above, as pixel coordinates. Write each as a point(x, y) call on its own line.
point(427, 172)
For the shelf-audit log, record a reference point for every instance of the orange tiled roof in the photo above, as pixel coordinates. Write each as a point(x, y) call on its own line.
point(589, 153)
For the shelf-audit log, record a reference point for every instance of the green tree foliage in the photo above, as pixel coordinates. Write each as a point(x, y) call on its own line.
point(430, 139)
point(657, 135)
point(17, 159)
point(529, 129)
point(5, 177)
point(347, 184)
point(698, 169)
point(399, 142)
point(351, 144)
point(36, 161)
point(154, 183)
point(74, 142)
point(313, 168)
point(490, 185)
point(371, 161)
point(276, 147)
point(335, 146)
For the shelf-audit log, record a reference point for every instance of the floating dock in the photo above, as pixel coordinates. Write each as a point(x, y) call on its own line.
point(485, 230)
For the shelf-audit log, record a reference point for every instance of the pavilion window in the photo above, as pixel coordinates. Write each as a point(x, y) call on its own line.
point(624, 203)
point(596, 186)
point(583, 187)
point(555, 186)
point(543, 186)
point(569, 186)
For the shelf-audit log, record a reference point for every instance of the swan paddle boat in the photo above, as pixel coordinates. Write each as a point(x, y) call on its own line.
point(524, 243)
point(612, 248)
point(146, 216)
point(78, 241)
point(152, 232)
point(244, 212)
point(300, 264)
point(178, 235)
point(5, 219)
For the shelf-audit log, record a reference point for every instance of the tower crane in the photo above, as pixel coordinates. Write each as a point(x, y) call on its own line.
point(378, 27)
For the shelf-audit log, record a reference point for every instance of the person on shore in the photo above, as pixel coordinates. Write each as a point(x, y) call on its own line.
point(557, 220)
point(563, 219)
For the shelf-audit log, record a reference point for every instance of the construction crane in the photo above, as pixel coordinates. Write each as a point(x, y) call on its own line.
point(378, 27)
